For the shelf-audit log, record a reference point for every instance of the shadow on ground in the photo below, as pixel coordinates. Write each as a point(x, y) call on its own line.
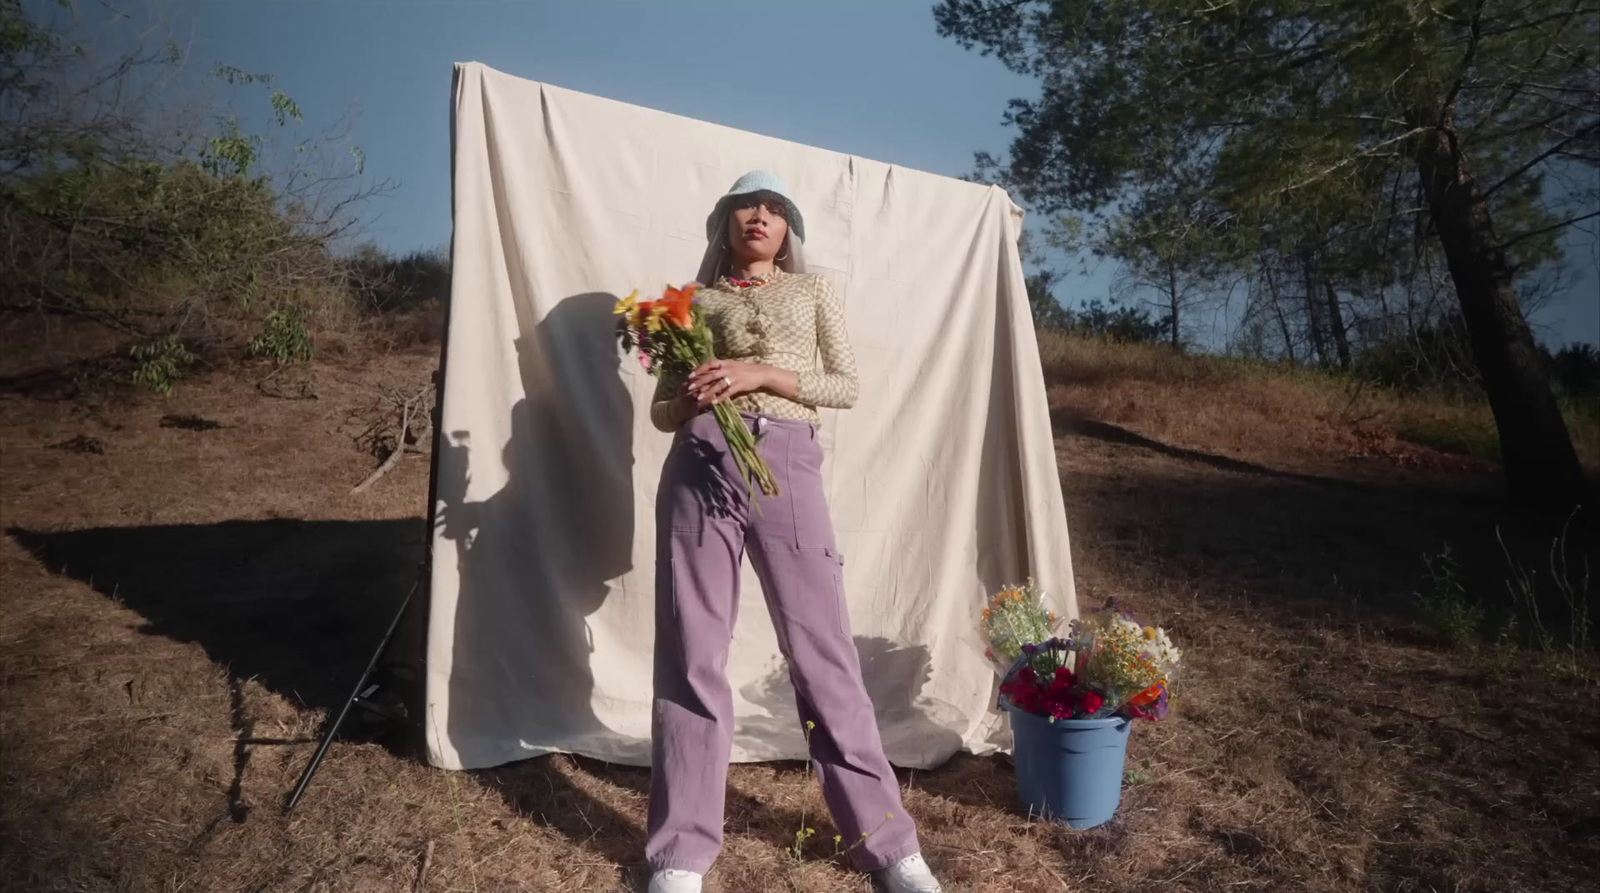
point(296, 605)
point(1299, 541)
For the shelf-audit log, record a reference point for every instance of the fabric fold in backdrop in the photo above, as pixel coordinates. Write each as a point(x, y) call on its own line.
point(942, 479)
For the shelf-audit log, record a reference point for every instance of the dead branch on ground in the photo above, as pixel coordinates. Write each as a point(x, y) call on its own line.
point(414, 424)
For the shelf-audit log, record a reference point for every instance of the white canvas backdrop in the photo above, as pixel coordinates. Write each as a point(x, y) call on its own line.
point(942, 479)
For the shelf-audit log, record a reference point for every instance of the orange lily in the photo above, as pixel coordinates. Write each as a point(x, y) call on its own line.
point(679, 305)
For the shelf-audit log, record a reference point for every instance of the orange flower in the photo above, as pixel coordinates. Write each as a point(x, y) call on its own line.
point(679, 304)
point(1148, 696)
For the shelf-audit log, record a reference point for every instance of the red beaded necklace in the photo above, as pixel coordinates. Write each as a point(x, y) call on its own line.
point(749, 283)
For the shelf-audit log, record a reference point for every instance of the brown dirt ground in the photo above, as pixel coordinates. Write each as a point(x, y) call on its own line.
point(182, 608)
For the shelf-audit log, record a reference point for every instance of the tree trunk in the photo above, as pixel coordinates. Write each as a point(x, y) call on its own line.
point(1313, 314)
point(1540, 463)
point(1387, 316)
point(1341, 338)
point(1172, 285)
point(1277, 308)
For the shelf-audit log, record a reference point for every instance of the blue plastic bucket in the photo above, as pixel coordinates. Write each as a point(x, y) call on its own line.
point(1070, 770)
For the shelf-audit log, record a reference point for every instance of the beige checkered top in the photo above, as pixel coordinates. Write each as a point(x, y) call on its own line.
point(793, 321)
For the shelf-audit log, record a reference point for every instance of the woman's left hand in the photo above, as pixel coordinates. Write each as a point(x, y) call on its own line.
point(719, 380)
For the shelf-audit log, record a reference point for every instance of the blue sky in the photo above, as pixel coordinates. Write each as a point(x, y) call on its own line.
point(867, 78)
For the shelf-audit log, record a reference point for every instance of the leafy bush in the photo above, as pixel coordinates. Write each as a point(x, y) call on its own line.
point(109, 238)
point(284, 337)
point(397, 284)
point(1576, 370)
point(1439, 356)
point(160, 363)
point(1124, 325)
point(1095, 319)
point(1456, 616)
point(1435, 355)
point(168, 223)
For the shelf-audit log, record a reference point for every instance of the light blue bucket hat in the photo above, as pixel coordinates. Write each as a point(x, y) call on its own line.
point(756, 181)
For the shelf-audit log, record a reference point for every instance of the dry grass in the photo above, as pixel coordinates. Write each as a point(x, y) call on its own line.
point(180, 611)
point(1304, 417)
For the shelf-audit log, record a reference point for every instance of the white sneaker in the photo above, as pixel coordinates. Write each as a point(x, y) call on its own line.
point(909, 875)
point(676, 880)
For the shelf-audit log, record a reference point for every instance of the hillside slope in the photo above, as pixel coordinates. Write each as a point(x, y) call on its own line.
point(189, 586)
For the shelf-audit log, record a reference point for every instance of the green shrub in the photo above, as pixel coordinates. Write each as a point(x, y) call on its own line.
point(1459, 435)
point(400, 283)
point(1446, 606)
point(284, 337)
point(1435, 355)
point(161, 363)
point(159, 222)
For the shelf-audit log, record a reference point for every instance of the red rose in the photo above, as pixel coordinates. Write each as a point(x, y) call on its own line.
point(1064, 676)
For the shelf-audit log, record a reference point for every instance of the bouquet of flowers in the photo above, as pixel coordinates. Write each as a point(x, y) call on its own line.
point(1109, 664)
point(673, 338)
point(1015, 617)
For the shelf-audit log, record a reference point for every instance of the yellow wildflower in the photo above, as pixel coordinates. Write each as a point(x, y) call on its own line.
point(626, 304)
point(652, 320)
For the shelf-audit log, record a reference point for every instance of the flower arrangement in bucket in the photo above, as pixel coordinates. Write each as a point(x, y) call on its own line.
point(1072, 700)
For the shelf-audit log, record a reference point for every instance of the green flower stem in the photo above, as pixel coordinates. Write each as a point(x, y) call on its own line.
point(690, 348)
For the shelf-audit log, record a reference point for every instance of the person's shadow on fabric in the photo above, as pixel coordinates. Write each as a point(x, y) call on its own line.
point(914, 724)
point(916, 728)
point(535, 558)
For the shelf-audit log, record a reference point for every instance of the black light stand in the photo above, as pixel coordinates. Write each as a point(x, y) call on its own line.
point(355, 693)
point(425, 569)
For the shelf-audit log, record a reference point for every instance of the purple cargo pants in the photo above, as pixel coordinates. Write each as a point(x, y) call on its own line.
point(704, 523)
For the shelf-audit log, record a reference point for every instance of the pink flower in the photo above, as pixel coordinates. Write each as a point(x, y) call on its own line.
point(644, 360)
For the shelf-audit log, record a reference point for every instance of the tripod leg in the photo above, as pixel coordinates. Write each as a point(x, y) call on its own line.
point(333, 728)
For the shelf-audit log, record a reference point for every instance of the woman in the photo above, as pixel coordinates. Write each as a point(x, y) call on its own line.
point(772, 322)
